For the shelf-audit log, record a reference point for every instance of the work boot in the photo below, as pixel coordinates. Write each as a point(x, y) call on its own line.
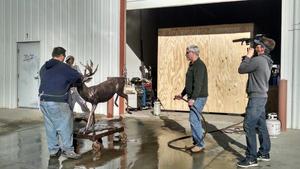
point(71, 155)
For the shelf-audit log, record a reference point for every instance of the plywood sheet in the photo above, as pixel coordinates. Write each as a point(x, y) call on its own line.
point(221, 56)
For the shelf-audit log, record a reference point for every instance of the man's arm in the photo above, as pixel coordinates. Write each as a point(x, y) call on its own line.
point(178, 97)
point(183, 93)
point(248, 65)
point(42, 71)
point(74, 76)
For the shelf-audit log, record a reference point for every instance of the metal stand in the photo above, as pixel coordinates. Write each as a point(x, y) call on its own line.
point(99, 129)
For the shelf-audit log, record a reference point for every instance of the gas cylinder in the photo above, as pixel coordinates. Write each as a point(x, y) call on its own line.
point(156, 108)
point(273, 125)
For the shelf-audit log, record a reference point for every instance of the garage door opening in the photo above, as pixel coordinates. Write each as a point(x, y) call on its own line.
point(143, 30)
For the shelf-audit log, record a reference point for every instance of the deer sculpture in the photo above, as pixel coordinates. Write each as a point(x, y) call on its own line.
point(101, 92)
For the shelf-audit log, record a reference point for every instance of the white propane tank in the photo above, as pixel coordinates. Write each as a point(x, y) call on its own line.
point(156, 109)
point(273, 125)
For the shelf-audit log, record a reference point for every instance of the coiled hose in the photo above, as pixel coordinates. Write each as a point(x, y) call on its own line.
point(187, 149)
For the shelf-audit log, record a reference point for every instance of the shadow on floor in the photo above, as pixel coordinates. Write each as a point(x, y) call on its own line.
point(222, 139)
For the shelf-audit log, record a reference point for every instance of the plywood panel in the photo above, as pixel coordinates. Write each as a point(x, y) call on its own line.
point(221, 56)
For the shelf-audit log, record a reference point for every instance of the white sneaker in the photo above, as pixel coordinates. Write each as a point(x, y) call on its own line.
point(197, 149)
point(71, 154)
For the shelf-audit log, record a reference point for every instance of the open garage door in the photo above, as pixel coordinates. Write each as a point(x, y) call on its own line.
point(144, 27)
point(221, 56)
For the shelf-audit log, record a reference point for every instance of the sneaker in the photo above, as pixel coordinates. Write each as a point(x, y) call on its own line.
point(197, 149)
point(263, 157)
point(247, 163)
point(55, 155)
point(71, 154)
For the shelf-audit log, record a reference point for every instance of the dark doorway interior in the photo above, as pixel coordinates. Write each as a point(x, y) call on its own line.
point(142, 25)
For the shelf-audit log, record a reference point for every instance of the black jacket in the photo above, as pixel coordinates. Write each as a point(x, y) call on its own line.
point(196, 80)
point(56, 80)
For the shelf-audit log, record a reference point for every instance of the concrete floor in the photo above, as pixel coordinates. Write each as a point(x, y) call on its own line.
point(23, 144)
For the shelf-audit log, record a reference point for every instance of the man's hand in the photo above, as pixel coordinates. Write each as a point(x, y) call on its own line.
point(191, 102)
point(250, 52)
point(177, 97)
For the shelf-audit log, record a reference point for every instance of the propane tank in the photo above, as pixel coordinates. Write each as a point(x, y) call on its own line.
point(156, 109)
point(273, 125)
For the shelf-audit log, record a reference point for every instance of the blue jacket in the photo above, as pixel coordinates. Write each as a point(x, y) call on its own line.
point(56, 80)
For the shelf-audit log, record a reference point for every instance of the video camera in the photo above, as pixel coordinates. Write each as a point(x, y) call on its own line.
point(259, 39)
point(249, 40)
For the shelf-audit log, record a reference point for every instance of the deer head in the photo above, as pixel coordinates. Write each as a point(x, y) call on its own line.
point(88, 71)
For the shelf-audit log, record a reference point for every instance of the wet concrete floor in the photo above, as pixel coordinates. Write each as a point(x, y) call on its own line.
point(24, 146)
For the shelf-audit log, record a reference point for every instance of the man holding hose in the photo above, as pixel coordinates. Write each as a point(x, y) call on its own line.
point(196, 89)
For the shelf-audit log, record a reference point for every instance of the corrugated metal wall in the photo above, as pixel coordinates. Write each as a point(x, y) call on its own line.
point(290, 59)
point(88, 29)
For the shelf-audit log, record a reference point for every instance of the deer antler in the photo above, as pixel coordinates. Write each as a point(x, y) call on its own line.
point(89, 68)
point(91, 63)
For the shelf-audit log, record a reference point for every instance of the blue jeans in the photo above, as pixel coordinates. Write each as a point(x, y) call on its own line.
point(195, 121)
point(255, 119)
point(58, 120)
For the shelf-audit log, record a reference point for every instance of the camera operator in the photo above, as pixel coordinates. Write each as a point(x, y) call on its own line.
point(258, 69)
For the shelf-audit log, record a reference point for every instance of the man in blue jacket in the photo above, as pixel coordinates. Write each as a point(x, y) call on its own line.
point(56, 80)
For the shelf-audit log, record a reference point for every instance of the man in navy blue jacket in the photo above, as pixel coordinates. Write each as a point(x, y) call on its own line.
point(56, 80)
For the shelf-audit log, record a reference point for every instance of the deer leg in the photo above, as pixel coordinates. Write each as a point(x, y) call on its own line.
point(91, 116)
point(125, 96)
point(116, 101)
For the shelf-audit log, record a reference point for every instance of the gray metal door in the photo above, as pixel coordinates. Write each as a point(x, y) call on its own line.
point(28, 76)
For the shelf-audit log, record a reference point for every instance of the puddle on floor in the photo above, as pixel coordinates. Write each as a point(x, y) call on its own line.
point(25, 146)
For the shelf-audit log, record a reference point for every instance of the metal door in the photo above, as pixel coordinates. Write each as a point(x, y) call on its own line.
point(28, 74)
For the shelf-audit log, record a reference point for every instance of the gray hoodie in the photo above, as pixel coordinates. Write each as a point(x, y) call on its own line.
point(259, 71)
